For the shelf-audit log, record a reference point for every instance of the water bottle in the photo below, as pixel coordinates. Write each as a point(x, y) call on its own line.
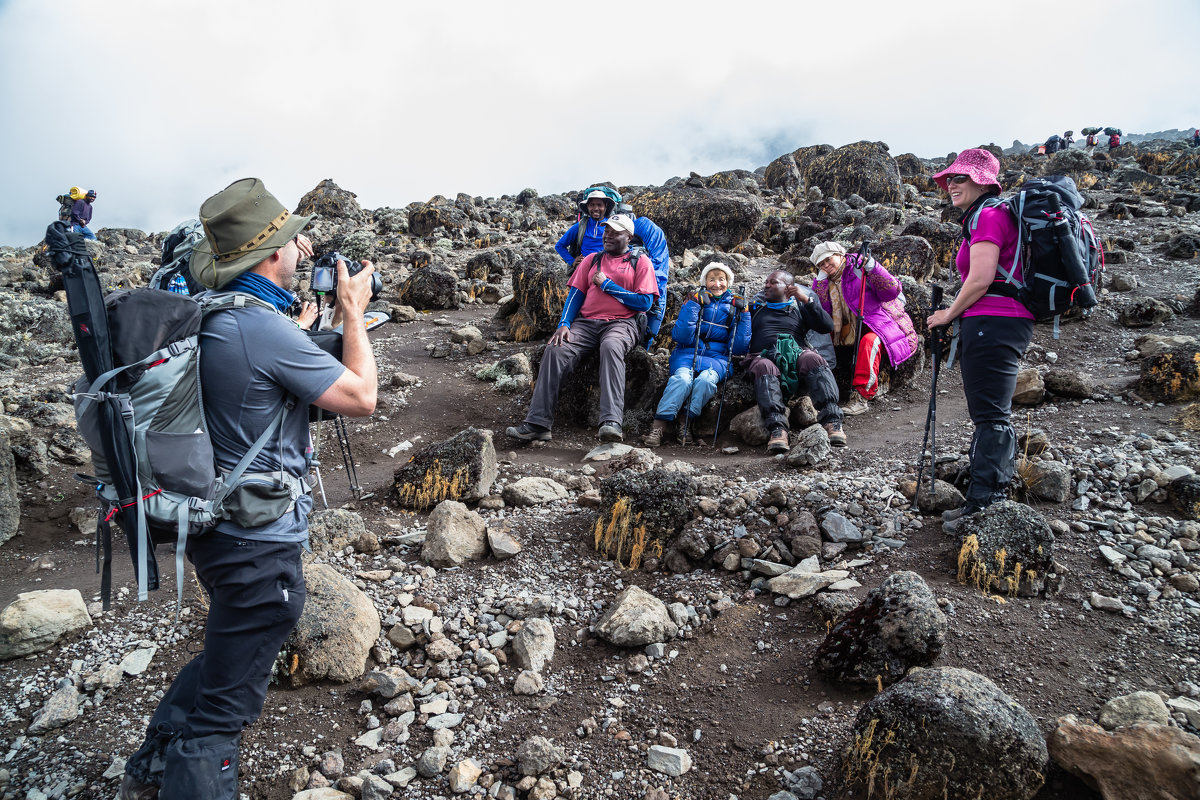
point(179, 285)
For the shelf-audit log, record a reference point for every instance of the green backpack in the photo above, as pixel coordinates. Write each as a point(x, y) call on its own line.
point(787, 352)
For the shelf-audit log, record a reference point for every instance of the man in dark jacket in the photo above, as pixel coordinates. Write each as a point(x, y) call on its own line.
point(784, 308)
point(81, 215)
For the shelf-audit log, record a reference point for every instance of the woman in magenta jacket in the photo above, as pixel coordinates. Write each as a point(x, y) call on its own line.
point(887, 327)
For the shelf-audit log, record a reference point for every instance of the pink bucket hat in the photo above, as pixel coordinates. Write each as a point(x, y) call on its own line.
point(977, 164)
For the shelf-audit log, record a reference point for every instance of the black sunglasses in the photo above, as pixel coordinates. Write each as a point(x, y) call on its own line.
point(956, 179)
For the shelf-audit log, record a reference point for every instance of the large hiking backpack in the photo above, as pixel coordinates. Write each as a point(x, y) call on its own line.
point(66, 201)
point(613, 198)
point(154, 384)
point(1057, 249)
point(176, 256)
point(1111, 131)
point(1053, 144)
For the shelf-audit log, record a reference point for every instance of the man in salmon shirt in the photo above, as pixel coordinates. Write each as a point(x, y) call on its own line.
point(606, 292)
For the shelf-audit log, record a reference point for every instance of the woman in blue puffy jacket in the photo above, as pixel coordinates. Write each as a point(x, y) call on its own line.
point(713, 325)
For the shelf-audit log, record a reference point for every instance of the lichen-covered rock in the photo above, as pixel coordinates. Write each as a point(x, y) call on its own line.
point(430, 287)
point(1066, 382)
point(897, 626)
point(1145, 313)
point(35, 330)
point(811, 447)
point(1075, 164)
point(691, 216)
point(335, 633)
point(862, 168)
point(946, 732)
point(1008, 547)
point(462, 468)
point(539, 290)
point(783, 174)
point(1182, 245)
point(1170, 377)
point(1184, 494)
point(640, 513)
point(439, 212)
point(334, 529)
point(943, 237)
point(331, 201)
point(487, 265)
point(906, 255)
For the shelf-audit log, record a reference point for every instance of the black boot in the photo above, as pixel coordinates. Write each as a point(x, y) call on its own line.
point(823, 391)
point(205, 768)
point(993, 463)
point(769, 395)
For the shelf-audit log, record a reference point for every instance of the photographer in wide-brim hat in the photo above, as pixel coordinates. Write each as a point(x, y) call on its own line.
point(995, 327)
point(259, 373)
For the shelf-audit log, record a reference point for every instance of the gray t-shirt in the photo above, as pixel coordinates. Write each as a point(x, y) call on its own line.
point(251, 360)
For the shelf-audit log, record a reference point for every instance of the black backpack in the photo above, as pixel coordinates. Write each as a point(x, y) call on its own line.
point(176, 255)
point(1059, 254)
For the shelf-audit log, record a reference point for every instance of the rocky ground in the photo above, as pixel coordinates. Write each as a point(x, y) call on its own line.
point(488, 648)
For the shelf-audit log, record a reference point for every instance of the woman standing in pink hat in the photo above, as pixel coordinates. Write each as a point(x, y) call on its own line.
point(995, 327)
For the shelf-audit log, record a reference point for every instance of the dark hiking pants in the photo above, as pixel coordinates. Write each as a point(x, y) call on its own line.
point(816, 379)
point(991, 349)
point(614, 339)
point(256, 594)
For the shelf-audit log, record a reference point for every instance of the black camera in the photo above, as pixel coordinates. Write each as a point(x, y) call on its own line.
point(325, 275)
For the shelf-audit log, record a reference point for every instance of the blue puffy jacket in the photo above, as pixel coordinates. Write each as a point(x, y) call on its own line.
point(718, 329)
point(593, 239)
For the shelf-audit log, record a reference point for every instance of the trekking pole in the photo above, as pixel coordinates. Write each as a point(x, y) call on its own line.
point(343, 438)
point(864, 259)
point(930, 438)
point(687, 401)
point(729, 365)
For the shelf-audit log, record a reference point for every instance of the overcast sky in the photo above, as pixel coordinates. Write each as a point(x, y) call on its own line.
point(157, 104)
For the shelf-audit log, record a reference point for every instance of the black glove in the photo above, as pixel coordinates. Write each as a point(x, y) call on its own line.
point(702, 297)
point(739, 303)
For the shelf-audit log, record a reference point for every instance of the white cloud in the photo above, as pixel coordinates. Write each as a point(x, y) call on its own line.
point(158, 105)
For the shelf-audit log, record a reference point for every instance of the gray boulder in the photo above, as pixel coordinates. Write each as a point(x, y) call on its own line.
point(811, 447)
point(1050, 480)
point(334, 529)
point(335, 633)
point(537, 754)
point(1133, 708)
point(897, 626)
point(837, 528)
point(946, 732)
point(36, 620)
point(455, 535)
point(1072, 383)
point(749, 427)
point(533, 646)
point(61, 709)
point(636, 618)
point(533, 491)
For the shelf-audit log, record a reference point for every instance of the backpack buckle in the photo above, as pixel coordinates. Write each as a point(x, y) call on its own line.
point(180, 346)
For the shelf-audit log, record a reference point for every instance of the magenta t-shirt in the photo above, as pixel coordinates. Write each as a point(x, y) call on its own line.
point(996, 225)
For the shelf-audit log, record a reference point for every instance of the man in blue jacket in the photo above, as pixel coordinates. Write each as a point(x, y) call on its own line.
point(586, 237)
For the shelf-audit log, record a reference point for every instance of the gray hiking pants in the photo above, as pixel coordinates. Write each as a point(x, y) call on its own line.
point(614, 339)
point(991, 349)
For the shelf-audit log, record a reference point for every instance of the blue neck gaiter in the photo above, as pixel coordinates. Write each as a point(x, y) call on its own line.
point(263, 289)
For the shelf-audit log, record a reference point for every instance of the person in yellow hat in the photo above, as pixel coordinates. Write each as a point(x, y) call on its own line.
point(258, 370)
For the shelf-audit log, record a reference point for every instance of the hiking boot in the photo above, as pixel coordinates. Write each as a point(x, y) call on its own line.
point(133, 789)
point(610, 432)
point(778, 443)
point(655, 436)
point(529, 433)
point(837, 437)
point(858, 405)
point(953, 519)
point(685, 436)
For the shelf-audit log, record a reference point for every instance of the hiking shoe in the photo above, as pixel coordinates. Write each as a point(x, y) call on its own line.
point(778, 443)
point(856, 406)
point(529, 433)
point(685, 436)
point(655, 436)
point(610, 432)
point(954, 518)
point(133, 789)
point(837, 437)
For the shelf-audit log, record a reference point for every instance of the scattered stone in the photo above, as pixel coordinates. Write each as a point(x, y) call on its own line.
point(811, 447)
point(454, 536)
point(1133, 708)
point(839, 529)
point(533, 646)
point(671, 761)
point(636, 618)
point(538, 755)
point(136, 661)
point(432, 761)
point(1030, 388)
point(61, 709)
point(503, 544)
point(533, 491)
point(1048, 480)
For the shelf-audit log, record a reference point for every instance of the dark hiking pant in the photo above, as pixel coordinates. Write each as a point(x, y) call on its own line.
point(817, 381)
point(614, 339)
point(991, 348)
point(256, 594)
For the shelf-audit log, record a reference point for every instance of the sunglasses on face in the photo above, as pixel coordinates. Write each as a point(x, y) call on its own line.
point(957, 179)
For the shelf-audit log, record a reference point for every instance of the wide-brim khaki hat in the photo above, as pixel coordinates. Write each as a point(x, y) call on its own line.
point(243, 224)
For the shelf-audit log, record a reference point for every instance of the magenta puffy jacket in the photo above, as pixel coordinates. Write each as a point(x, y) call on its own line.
point(883, 307)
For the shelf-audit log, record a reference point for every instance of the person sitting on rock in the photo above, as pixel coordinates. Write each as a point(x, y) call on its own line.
point(713, 326)
point(586, 237)
point(878, 302)
point(606, 291)
point(784, 309)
